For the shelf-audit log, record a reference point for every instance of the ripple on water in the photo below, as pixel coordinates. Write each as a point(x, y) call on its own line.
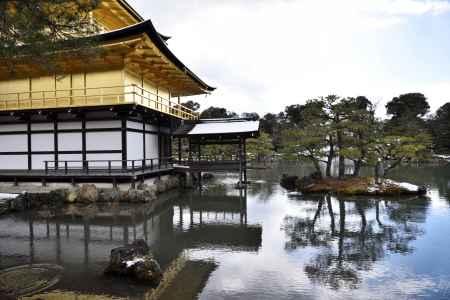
point(29, 279)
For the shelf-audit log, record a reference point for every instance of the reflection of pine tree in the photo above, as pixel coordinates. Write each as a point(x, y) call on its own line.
point(356, 243)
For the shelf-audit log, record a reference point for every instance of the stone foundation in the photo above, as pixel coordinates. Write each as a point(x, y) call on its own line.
point(33, 196)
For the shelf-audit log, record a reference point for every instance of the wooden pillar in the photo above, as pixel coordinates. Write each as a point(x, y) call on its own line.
point(179, 149)
point(240, 162)
point(245, 160)
point(55, 140)
point(190, 150)
point(29, 143)
point(144, 155)
point(83, 140)
point(124, 142)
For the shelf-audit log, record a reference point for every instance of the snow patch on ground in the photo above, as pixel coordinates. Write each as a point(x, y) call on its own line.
point(404, 185)
point(8, 196)
point(134, 261)
point(373, 189)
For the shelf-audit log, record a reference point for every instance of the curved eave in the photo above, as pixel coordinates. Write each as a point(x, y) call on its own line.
point(125, 5)
point(148, 28)
point(131, 10)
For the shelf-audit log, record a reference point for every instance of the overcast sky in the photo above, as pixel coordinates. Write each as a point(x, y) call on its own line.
point(265, 54)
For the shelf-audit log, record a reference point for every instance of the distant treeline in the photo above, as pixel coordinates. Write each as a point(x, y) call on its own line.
point(332, 127)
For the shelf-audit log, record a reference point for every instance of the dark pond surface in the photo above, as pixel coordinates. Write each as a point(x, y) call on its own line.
point(263, 243)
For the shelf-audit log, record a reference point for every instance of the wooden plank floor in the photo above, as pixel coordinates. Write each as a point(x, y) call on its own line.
point(81, 174)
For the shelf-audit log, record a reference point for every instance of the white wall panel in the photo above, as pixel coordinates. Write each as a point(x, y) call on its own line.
point(113, 156)
point(42, 126)
point(69, 125)
point(135, 147)
point(103, 140)
point(104, 124)
point(69, 142)
point(134, 125)
point(76, 157)
point(13, 127)
point(42, 142)
point(8, 162)
point(37, 161)
point(13, 143)
point(151, 146)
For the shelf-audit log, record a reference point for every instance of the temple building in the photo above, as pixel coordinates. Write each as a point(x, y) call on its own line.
point(115, 112)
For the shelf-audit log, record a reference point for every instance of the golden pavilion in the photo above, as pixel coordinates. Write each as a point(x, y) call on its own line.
point(115, 112)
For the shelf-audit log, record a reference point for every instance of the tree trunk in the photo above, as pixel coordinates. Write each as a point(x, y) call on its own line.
point(377, 172)
point(331, 213)
point(341, 157)
point(317, 214)
point(330, 158)
point(317, 165)
point(341, 231)
point(357, 169)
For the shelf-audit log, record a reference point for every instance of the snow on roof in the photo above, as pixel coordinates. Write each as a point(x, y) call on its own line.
point(225, 127)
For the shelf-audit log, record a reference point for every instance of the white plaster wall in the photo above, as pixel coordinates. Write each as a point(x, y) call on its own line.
point(151, 146)
point(13, 127)
point(134, 125)
point(104, 124)
point(69, 125)
point(103, 140)
point(42, 126)
point(42, 142)
point(113, 156)
point(69, 141)
point(9, 162)
point(13, 143)
point(135, 147)
point(76, 157)
point(37, 161)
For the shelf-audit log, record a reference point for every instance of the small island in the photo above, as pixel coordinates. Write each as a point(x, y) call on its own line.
point(357, 186)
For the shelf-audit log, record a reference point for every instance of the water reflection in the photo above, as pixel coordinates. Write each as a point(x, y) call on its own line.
point(353, 235)
point(262, 243)
point(80, 238)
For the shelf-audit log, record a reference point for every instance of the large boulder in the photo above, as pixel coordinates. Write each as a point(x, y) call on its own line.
point(72, 195)
point(56, 197)
point(136, 196)
point(136, 261)
point(88, 193)
point(109, 195)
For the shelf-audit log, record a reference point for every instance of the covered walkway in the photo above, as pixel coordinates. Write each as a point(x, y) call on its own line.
point(199, 133)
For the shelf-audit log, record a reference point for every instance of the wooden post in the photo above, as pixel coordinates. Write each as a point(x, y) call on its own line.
point(245, 161)
point(240, 161)
point(179, 149)
point(190, 150)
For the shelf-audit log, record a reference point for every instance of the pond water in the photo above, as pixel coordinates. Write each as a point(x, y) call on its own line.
point(263, 243)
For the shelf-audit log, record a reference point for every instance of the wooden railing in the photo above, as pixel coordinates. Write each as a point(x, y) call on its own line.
point(106, 166)
point(111, 95)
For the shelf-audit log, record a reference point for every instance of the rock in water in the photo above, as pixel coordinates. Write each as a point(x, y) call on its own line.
point(88, 193)
point(135, 260)
point(289, 182)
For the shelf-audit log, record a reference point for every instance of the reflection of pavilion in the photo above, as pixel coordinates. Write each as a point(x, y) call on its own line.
point(80, 238)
